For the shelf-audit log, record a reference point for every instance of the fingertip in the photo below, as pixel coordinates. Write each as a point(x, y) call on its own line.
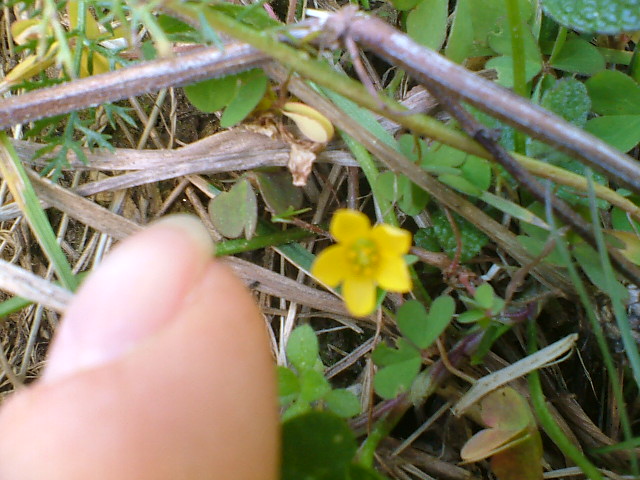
point(192, 228)
point(133, 293)
point(195, 400)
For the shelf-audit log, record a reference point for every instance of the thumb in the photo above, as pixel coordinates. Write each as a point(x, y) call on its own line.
point(161, 370)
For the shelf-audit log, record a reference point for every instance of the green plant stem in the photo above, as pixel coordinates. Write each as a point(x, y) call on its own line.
point(395, 82)
point(518, 58)
point(381, 429)
point(231, 247)
point(547, 421)
point(77, 53)
point(64, 56)
point(596, 328)
point(630, 345)
point(517, 48)
point(419, 291)
point(13, 305)
point(25, 196)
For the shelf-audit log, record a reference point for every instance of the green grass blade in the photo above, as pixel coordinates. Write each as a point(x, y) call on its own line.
point(596, 330)
point(25, 196)
point(630, 345)
point(549, 424)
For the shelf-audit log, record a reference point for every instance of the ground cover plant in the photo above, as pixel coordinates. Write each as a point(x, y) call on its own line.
point(445, 247)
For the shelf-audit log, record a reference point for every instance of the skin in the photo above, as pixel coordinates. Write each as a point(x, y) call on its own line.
point(160, 369)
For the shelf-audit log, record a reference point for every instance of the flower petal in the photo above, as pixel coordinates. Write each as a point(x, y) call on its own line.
point(349, 225)
point(393, 274)
point(330, 265)
point(391, 241)
point(359, 295)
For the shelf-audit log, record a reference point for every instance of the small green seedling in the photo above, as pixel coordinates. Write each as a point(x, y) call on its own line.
point(484, 306)
point(304, 387)
point(401, 365)
point(317, 443)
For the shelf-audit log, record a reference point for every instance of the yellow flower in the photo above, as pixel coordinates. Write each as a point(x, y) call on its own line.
point(363, 259)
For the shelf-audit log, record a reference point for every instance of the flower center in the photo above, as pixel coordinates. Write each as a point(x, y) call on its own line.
point(363, 257)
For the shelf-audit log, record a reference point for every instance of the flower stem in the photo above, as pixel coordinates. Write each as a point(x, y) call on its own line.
point(518, 60)
point(266, 238)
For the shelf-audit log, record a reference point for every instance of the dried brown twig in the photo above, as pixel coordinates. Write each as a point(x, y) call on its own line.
point(430, 68)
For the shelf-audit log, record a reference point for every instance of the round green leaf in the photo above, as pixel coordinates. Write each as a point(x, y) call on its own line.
point(412, 322)
point(601, 16)
point(235, 211)
point(313, 385)
point(503, 66)
point(614, 93)
point(461, 184)
point(278, 191)
point(387, 186)
point(427, 239)
point(535, 247)
point(343, 403)
point(478, 171)
point(427, 23)
point(302, 348)
point(316, 446)
point(569, 99)
point(413, 199)
point(484, 295)
point(212, 95)
point(472, 316)
point(296, 409)
point(460, 39)
point(383, 355)
point(395, 379)
point(621, 221)
point(620, 131)
point(422, 328)
point(288, 385)
point(252, 88)
point(579, 56)
point(473, 240)
point(440, 155)
point(440, 314)
point(402, 368)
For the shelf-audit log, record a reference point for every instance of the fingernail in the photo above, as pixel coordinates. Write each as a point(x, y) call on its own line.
point(192, 227)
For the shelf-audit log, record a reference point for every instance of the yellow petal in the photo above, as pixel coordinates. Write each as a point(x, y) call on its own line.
point(330, 265)
point(391, 241)
point(29, 67)
point(24, 30)
point(393, 274)
point(92, 28)
point(99, 64)
point(349, 225)
point(311, 123)
point(359, 295)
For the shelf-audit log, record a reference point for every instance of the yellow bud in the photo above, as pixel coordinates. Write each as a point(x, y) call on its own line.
point(311, 123)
